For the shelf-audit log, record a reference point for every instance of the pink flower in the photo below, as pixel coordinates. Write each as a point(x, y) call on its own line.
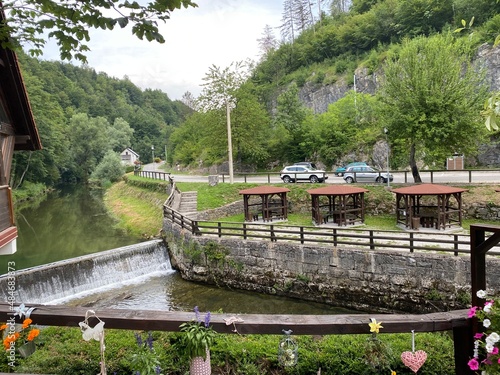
point(478, 336)
point(494, 351)
point(473, 364)
point(472, 312)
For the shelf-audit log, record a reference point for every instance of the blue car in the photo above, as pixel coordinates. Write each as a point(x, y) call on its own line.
point(341, 170)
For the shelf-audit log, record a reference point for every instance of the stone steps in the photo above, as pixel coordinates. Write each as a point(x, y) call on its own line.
point(189, 204)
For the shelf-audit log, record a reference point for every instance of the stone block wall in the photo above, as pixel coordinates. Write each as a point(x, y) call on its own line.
point(374, 281)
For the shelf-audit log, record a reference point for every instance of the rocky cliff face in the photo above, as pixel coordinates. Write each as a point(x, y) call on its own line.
point(318, 98)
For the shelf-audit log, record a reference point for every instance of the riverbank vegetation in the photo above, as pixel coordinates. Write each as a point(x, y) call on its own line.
point(62, 351)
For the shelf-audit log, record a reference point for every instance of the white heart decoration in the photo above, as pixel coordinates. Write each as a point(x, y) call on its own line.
point(414, 360)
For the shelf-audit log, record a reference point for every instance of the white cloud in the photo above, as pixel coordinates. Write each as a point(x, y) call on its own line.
point(217, 32)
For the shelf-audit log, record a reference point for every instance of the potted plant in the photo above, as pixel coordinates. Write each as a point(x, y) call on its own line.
point(21, 337)
point(196, 340)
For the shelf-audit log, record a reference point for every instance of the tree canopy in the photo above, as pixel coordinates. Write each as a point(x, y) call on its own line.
point(28, 22)
point(432, 98)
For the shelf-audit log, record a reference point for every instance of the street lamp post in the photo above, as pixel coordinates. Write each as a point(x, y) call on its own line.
point(387, 140)
point(153, 151)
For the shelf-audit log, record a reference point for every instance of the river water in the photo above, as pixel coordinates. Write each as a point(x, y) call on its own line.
point(74, 222)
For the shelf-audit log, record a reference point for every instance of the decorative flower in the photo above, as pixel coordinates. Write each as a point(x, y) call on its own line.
point(374, 326)
point(486, 357)
point(21, 334)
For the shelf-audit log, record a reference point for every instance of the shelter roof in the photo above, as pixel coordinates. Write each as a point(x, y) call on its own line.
point(337, 190)
point(428, 189)
point(264, 190)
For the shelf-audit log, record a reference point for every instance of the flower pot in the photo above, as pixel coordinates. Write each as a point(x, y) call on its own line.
point(27, 349)
point(200, 366)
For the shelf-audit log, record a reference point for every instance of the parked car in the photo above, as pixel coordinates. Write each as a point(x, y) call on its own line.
point(341, 170)
point(365, 174)
point(307, 164)
point(300, 172)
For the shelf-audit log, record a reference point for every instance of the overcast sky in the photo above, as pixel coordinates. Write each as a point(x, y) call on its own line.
point(217, 32)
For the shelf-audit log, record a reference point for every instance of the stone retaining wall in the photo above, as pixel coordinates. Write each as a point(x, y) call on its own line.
point(375, 281)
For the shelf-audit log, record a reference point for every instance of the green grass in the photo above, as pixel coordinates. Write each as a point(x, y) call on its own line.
point(210, 197)
point(139, 211)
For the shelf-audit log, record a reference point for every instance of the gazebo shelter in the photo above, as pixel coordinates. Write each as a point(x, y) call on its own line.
point(272, 204)
point(429, 206)
point(338, 204)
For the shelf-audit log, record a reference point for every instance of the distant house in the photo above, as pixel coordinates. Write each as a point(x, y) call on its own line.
point(129, 156)
point(18, 131)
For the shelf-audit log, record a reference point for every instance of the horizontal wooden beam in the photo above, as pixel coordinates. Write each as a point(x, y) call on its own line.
point(149, 320)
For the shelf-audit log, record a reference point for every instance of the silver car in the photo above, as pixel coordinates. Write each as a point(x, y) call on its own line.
point(365, 174)
point(300, 172)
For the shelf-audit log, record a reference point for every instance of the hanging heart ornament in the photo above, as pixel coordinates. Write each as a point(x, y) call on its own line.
point(414, 360)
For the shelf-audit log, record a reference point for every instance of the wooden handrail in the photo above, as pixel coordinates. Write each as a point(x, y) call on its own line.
point(251, 323)
point(363, 238)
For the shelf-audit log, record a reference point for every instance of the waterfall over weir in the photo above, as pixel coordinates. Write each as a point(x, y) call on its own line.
point(82, 275)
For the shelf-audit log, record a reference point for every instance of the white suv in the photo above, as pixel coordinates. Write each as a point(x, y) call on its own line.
point(300, 172)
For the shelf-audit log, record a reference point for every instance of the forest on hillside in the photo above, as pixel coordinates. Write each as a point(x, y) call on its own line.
point(436, 115)
point(428, 108)
point(82, 115)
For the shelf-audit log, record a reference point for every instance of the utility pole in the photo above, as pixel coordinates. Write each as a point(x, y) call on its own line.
point(229, 142)
point(153, 151)
point(388, 149)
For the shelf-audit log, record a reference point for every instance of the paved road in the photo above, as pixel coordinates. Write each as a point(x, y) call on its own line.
point(487, 177)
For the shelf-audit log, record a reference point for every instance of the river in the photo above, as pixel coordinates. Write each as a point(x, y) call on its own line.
point(74, 221)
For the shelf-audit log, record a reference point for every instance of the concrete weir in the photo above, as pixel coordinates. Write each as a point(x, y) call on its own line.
point(63, 279)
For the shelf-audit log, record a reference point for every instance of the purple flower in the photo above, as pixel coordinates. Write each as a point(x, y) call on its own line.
point(472, 312)
point(197, 312)
point(473, 364)
point(149, 341)
point(478, 336)
point(138, 339)
point(207, 319)
point(158, 370)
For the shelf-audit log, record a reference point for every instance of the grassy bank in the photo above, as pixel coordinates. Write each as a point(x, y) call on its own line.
point(138, 204)
point(138, 209)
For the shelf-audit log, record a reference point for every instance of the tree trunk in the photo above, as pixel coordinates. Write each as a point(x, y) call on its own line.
point(413, 165)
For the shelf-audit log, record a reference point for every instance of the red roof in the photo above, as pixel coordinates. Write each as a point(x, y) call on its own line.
point(428, 189)
point(337, 190)
point(264, 190)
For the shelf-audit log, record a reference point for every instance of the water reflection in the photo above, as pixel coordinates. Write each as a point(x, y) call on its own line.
point(68, 223)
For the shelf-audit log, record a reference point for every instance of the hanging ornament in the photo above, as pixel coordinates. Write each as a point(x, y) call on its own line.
point(288, 350)
point(414, 359)
point(96, 333)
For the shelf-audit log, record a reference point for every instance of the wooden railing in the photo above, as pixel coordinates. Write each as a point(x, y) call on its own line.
point(147, 320)
point(164, 176)
point(360, 238)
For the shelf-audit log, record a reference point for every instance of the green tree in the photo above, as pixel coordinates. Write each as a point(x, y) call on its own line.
point(88, 144)
point(290, 122)
point(250, 128)
point(350, 126)
point(119, 135)
point(432, 97)
point(68, 22)
point(109, 169)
